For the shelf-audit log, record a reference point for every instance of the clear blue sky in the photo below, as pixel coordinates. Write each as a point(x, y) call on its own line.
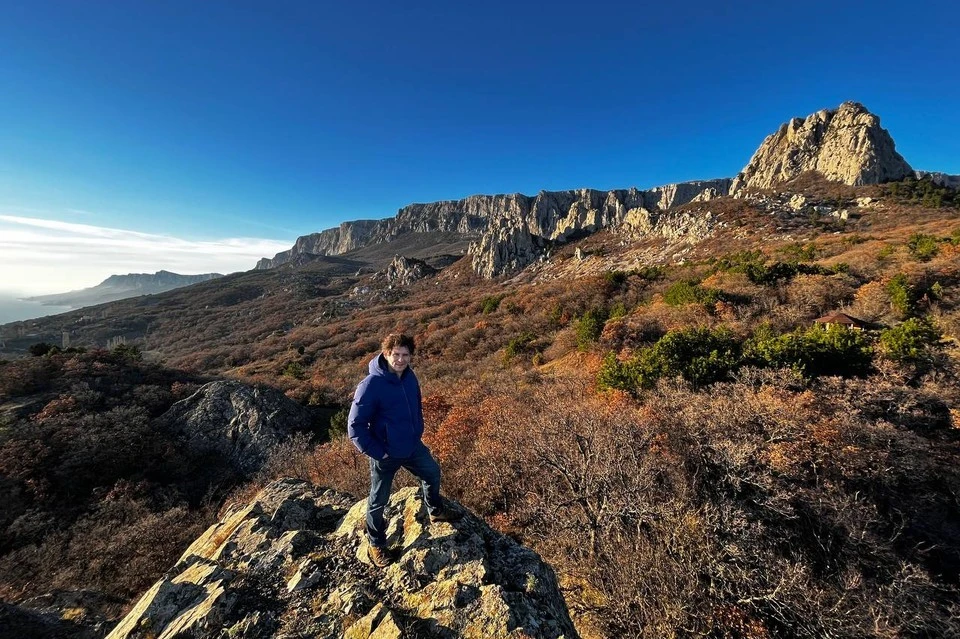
point(214, 119)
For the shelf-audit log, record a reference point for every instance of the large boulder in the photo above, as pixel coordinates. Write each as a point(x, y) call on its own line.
point(293, 563)
point(845, 145)
point(240, 422)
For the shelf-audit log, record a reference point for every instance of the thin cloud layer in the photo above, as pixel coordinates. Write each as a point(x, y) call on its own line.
point(40, 256)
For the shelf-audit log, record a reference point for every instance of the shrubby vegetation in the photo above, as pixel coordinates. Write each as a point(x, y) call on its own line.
point(910, 341)
point(923, 192)
point(836, 350)
point(94, 496)
point(702, 356)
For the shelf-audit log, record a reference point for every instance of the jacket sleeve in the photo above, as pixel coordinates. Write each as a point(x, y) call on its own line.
point(359, 429)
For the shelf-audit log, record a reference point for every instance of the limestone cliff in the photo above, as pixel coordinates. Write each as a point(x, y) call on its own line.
point(846, 144)
point(511, 230)
point(292, 563)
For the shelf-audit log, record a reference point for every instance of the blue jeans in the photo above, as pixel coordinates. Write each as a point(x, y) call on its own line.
point(422, 464)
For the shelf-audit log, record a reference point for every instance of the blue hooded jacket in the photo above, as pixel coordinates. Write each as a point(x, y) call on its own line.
point(386, 417)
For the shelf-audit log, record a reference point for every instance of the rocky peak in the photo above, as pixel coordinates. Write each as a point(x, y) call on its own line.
point(846, 144)
point(292, 563)
point(238, 421)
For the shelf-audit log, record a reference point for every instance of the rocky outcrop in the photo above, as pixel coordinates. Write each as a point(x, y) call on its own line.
point(845, 145)
point(293, 563)
point(243, 423)
point(513, 229)
point(403, 271)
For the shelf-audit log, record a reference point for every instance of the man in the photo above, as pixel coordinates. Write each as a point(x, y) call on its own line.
point(386, 425)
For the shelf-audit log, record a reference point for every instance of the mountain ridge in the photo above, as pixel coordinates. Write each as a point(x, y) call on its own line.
point(118, 287)
point(507, 232)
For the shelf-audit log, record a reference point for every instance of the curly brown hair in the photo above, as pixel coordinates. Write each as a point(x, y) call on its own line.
point(397, 339)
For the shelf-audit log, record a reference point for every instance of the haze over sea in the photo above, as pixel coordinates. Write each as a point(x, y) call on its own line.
point(14, 309)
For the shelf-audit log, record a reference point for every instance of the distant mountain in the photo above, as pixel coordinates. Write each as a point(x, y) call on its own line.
point(118, 287)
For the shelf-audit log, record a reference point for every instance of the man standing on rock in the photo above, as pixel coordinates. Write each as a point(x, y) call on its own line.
point(386, 425)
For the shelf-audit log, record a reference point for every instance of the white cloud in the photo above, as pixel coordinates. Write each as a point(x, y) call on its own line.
point(40, 256)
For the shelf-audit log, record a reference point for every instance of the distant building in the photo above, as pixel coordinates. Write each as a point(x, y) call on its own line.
point(842, 319)
point(66, 340)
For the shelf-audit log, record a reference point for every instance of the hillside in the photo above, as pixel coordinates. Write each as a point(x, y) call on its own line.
point(808, 496)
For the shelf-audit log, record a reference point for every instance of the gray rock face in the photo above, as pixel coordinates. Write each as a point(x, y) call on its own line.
point(335, 241)
point(293, 563)
point(239, 421)
point(845, 145)
point(513, 229)
point(404, 271)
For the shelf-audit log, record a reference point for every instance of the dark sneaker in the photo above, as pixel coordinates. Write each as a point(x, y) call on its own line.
point(444, 515)
point(379, 557)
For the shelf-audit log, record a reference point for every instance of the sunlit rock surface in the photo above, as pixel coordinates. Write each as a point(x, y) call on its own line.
point(293, 563)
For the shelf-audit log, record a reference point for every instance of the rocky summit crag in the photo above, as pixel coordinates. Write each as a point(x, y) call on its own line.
point(292, 563)
point(510, 232)
point(845, 145)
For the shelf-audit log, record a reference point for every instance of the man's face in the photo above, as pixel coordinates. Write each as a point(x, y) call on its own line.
point(398, 358)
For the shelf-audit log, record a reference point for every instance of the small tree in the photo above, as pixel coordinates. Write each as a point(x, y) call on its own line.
point(589, 326)
point(909, 341)
point(923, 247)
point(901, 294)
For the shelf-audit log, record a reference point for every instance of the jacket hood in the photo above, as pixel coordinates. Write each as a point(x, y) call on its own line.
point(378, 366)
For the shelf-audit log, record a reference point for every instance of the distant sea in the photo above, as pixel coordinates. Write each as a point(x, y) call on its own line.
point(13, 309)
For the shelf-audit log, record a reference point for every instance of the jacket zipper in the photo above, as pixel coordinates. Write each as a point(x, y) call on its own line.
point(409, 410)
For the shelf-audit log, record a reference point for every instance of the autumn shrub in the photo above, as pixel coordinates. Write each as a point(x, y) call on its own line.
point(95, 495)
point(777, 492)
